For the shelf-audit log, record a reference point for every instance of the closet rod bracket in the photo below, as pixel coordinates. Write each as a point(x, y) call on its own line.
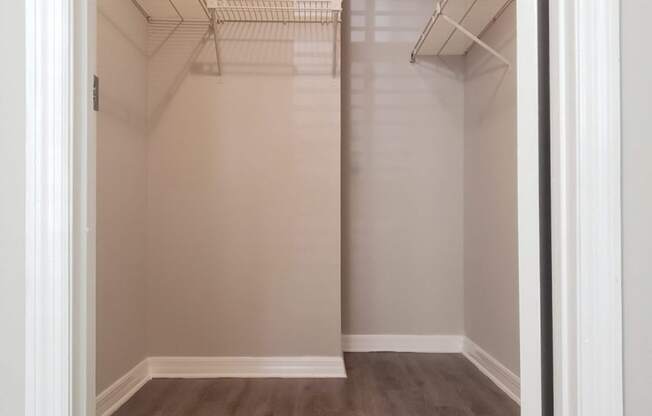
point(211, 6)
point(439, 13)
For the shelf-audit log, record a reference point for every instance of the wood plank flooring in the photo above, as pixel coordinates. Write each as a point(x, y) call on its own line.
point(378, 384)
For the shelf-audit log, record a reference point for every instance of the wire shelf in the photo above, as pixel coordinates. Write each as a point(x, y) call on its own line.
point(275, 11)
point(217, 13)
point(268, 11)
point(440, 14)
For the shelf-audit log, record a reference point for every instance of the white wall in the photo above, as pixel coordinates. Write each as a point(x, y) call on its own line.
point(402, 176)
point(121, 190)
point(244, 193)
point(12, 209)
point(637, 205)
point(490, 203)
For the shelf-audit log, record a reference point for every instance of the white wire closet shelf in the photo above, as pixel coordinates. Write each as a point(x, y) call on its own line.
point(213, 13)
point(463, 18)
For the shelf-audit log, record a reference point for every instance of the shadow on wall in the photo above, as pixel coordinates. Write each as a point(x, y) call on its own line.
point(482, 66)
point(118, 102)
point(402, 135)
point(246, 49)
point(243, 186)
point(244, 190)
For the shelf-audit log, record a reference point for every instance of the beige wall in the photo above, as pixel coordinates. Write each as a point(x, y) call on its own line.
point(490, 215)
point(244, 193)
point(12, 209)
point(121, 190)
point(637, 205)
point(402, 176)
point(243, 189)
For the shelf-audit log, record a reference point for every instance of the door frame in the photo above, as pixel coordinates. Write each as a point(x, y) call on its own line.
point(83, 394)
point(585, 207)
point(60, 208)
point(528, 197)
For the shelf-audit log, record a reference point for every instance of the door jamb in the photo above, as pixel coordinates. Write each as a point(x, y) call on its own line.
point(529, 268)
point(83, 394)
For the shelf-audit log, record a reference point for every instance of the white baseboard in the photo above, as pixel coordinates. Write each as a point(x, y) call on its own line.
point(403, 343)
point(488, 365)
point(119, 392)
point(507, 381)
point(247, 367)
point(301, 367)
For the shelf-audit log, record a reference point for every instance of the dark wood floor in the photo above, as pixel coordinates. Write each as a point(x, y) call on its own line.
point(378, 384)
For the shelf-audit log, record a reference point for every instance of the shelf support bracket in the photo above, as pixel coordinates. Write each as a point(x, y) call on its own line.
point(142, 10)
point(336, 21)
point(212, 7)
point(439, 7)
point(426, 30)
point(476, 39)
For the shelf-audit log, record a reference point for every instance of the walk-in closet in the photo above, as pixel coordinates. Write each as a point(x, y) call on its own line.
point(307, 208)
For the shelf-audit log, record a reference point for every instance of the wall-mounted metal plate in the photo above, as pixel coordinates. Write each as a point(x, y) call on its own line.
point(96, 93)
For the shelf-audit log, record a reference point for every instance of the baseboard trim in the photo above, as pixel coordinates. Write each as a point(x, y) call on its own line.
point(507, 381)
point(247, 367)
point(119, 392)
point(487, 364)
point(124, 388)
point(403, 343)
point(301, 367)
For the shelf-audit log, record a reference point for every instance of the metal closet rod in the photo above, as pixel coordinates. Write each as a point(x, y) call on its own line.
point(439, 12)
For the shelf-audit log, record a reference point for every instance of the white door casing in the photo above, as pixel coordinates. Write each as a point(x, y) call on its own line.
point(586, 207)
point(60, 137)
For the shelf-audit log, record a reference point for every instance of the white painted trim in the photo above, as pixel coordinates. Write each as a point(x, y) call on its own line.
point(507, 381)
point(562, 205)
point(49, 194)
point(247, 367)
point(487, 364)
point(403, 343)
point(126, 386)
point(84, 29)
point(528, 206)
point(586, 209)
point(60, 337)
